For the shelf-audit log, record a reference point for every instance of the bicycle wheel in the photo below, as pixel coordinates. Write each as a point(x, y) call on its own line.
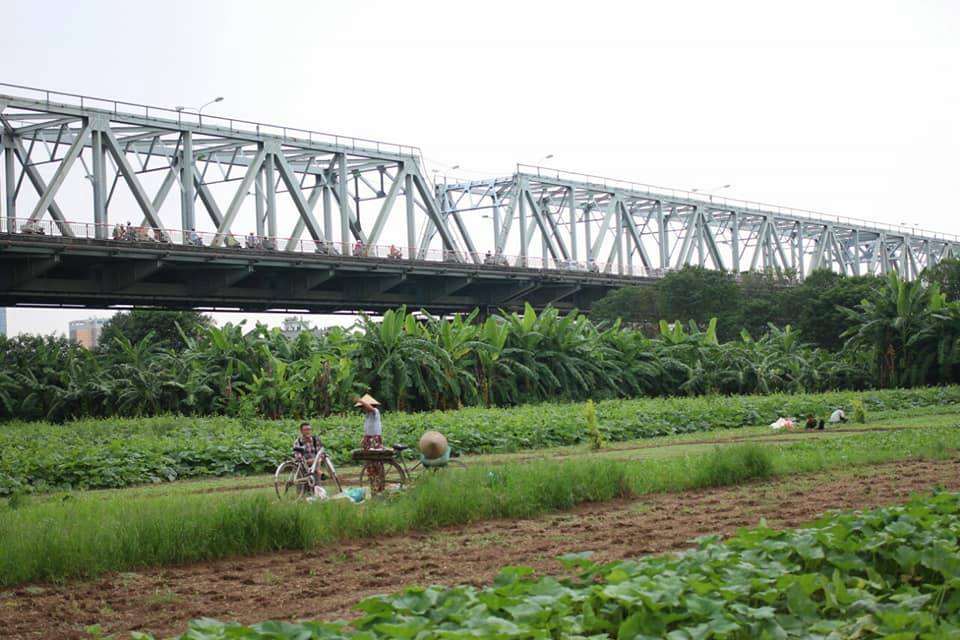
point(329, 480)
point(415, 472)
point(291, 481)
point(391, 479)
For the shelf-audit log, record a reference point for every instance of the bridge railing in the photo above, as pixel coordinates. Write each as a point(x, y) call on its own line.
point(47, 98)
point(609, 184)
point(144, 236)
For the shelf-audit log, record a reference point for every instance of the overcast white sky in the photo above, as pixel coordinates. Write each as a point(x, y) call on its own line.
point(844, 107)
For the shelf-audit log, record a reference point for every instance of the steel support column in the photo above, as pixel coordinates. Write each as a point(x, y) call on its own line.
point(735, 241)
point(408, 195)
point(260, 207)
point(188, 195)
point(98, 181)
point(856, 252)
point(662, 236)
point(270, 180)
point(496, 220)
point(523, 227)
point(343, 200)
point(10, 183)
point(798, 265)
point(701, 255)
point(618, 207)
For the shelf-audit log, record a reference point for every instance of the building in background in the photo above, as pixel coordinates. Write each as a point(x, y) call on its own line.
point(3, 321)
point(294, 326)
point(87, 332)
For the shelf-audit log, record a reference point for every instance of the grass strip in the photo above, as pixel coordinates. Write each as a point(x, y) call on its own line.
point(665, 446)
point(85, 536)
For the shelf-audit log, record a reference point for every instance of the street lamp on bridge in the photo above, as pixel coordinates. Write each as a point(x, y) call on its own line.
point(436, 171)
point(180, 108)
point(710, 192)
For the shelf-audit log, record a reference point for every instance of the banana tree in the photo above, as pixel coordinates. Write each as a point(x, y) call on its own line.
point(887, 322)
point(396, 361)
point(141, 377)
point(272, 391)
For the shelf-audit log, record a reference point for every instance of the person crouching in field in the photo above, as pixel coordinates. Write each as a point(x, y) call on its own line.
point(372, 438)
point(837, 417)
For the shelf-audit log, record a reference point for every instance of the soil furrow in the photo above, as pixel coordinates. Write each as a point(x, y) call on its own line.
point(324, 583)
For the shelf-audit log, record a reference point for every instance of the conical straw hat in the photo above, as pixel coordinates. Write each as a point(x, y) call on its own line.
point(433, 444)
point(369, 399)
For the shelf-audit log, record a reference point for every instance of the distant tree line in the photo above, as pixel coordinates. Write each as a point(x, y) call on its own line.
point(696, 332)
point(815, 307)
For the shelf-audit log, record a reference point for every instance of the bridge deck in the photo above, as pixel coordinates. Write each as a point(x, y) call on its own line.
point(52, 270)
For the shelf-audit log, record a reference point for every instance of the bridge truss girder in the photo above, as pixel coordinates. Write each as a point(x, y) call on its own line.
point(79, 166)
point(629, 230)
point(299, 192)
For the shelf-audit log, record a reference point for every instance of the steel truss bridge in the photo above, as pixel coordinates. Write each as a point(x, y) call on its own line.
point(108, 203)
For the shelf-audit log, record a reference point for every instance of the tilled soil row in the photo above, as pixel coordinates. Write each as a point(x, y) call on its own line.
point(325, 583)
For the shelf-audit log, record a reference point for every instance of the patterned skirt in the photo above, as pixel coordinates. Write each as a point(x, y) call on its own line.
point(375, 473)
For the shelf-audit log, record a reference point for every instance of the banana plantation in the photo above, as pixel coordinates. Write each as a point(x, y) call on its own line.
point(905, 334)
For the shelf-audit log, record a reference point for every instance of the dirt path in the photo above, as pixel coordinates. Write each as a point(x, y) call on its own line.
point(775, 436)
point(326, 582)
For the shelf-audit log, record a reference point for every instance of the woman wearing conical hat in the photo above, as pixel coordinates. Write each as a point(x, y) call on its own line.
point(372, 438)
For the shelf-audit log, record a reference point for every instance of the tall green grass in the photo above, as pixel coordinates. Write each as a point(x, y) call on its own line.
point(732, 465)
point(85, 536)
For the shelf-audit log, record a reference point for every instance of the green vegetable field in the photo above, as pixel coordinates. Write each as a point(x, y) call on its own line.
point(885, 573)
point(91, 454)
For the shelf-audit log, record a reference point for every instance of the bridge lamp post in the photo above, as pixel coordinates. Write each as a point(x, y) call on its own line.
point(539, 160)
point(435, 171)
point(207, 104)
point(710, 192)
point(199, 111)
point(911, 226)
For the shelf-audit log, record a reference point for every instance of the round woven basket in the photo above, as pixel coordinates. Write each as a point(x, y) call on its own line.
point(433, 444)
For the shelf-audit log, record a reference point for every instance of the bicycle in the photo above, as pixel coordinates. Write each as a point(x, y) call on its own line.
point(396, 473)
point(294, 479)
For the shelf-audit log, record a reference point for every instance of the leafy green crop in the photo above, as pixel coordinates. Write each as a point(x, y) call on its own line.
point(885, 573)
point(116, 453)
